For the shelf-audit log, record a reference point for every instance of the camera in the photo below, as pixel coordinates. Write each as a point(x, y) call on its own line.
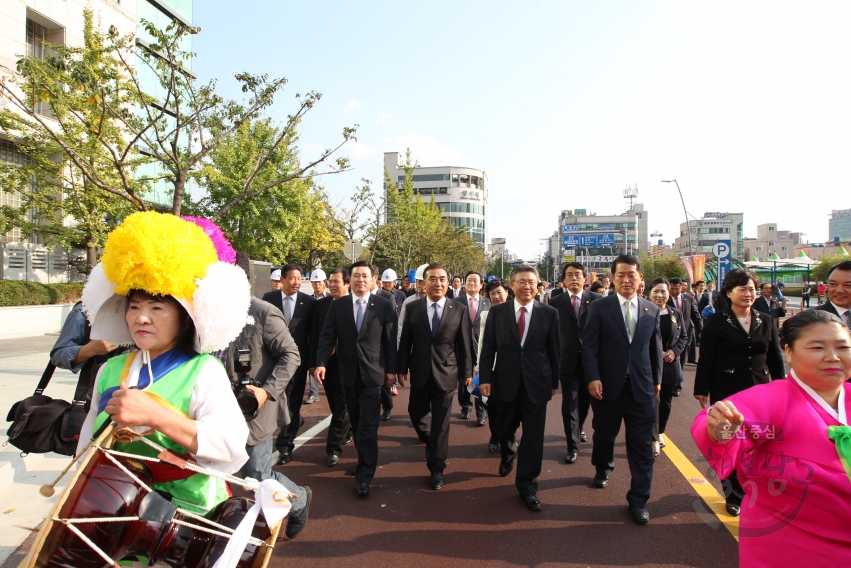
point(246, 399)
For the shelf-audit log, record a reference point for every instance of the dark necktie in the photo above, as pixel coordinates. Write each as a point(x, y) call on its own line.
point(521, 324)
point(435, 321)
point(576, 303)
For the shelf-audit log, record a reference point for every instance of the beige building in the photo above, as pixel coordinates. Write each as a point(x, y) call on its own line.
point(769, 241)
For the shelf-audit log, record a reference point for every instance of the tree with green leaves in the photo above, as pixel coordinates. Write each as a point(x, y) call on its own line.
point(653, 267)
point(821, 271)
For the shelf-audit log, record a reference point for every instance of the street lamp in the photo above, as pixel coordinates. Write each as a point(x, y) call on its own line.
point(688, 229)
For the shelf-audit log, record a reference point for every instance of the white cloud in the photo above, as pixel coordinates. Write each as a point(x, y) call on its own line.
point(427, 151)
point(354, 105)
point(384, 116)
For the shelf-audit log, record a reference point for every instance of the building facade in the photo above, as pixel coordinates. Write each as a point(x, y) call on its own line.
point(461, 193)
point(595, 240)
point(840, 225)
point(769, 241)
point(706, 232)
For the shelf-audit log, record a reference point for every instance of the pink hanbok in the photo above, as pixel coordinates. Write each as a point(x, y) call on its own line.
point(797, 508)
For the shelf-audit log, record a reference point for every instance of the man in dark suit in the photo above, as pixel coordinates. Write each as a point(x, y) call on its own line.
point(388, 284)
point(839, 291)
point(362, 329)
point(340, 429)
point(523, 336)
point(622, 356)
point(435, 349)
point(475, 304)
point(455, 292)
point(688, 307)
point(572, 307)
point(386, 391)
point(558, 290)
point(297, 308)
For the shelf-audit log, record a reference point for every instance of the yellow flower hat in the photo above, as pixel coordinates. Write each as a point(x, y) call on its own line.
point(165, 255)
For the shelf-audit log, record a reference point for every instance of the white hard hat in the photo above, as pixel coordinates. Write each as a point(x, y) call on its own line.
point(276, 275)
point(318, 275)
point(421, 272)
point(389, 275)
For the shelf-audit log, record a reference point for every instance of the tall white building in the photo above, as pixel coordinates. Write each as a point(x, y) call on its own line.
point(461, 192)
point(713, 227)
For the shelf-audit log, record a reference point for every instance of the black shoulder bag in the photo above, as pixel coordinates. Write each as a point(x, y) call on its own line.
point(41, 424)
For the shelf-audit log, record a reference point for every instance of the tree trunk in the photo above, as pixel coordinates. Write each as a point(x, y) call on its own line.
point(91, 258)
point(179, 187)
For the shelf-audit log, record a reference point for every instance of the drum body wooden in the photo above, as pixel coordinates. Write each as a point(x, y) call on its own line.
point(101, 489)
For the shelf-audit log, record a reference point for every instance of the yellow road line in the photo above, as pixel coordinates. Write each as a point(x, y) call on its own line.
point(704, 489)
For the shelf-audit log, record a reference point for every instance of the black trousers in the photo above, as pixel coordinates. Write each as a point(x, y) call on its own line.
point(429, 408)
point(692, 347)
point(638, 419)
point(575, 402)
point(493, 419)
point(467, 401)
point(530, 452)
point(295, 396)
point(805, 301)
point(364, 405)
point(663, 410)
point(733, 491)
point(386, 399)
point(340, 427)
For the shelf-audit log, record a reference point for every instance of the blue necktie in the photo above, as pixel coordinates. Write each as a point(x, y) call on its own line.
point(359, 320)
point(435, 321)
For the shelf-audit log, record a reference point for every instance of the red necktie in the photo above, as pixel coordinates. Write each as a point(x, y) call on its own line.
point(576, 303)
point(679, 304)
point(472, 310)
point(521, 323)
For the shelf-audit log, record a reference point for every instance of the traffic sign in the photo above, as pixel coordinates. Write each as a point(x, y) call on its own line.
point(353, 249)
point(722, 250)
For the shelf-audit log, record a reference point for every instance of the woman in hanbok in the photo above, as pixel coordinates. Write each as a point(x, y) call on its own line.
point(790, 443)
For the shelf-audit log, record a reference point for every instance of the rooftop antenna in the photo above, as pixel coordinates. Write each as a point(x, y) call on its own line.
point(630, 194)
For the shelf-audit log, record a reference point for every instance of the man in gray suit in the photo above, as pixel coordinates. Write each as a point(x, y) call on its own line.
point(622, 356)
point(475, 304)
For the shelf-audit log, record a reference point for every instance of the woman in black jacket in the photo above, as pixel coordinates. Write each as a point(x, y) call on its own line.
point(739, 348)
point(674, 340)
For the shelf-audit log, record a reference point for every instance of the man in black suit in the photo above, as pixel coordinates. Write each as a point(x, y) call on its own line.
point(558, 290)
point(839, 291)
point(622, 356)
point(297, 308)
point(688, 307)
point(475, 304)
point(572, 307)
point(523, 336)
point(362, 329)
point(386, 391)
point(340, 429)
point(435, 349)
point(455, 292)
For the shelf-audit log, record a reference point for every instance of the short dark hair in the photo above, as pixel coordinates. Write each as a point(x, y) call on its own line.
point(497, 283)
point(342, 271)
point(764, 284)
point(626, 259)
point(523, 268)
point(458, 276)
point(434, 267)
point(287, 268)
point(735, 278)
point(374, 269)
point(699, 282)
point(844, 266)
point(660, 280)
point(576, 265)
point(597, 285)
point(185, 333)
point(794, 327)
point(361, 263)
point(674, 280)
point(471, 273)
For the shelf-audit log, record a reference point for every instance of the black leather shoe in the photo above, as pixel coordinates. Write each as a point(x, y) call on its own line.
point(493, 447)
point(533, 503)
point(284, 458)
point(386, 415)
point(349, 440)
point(436, 480)
point(601, 482)
point(676, 392)
point(505, 468)
point(332, 460)
point(296, 523)
point(733, 509)
point(363, 489)
point(465, 414)
point(571, 457)
point(583, 437)
point(640, 516)
point(481, 421)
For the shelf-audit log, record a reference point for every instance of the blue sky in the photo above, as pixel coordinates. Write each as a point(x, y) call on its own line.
point(564, 104)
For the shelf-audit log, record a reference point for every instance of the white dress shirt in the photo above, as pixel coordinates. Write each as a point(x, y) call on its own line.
point(355, 305)
point(571, 295)
point(431, 306)
point(517, 306)
point(293, 297)
point(473, 301)
point(633, 307)
point(840, 311)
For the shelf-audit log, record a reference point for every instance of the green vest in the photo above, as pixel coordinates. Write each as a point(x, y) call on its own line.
point(198, 493)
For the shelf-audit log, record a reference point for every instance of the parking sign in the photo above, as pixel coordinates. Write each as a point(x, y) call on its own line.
point(722, 250)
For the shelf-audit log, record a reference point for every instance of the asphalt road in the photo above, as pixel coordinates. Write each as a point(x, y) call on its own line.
point(478, 518)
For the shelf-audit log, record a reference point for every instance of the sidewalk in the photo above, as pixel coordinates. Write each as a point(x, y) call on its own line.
point(22, 507)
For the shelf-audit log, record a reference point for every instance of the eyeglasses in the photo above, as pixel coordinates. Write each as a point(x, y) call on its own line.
point(525, 283)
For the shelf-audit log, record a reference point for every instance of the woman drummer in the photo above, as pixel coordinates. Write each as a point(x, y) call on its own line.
point(160, 285)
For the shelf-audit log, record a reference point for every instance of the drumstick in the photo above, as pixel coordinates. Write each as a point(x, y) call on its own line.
point(47, 490)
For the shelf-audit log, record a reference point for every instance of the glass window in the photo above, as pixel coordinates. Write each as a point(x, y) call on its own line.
point(465, 180)
point(455, 180)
